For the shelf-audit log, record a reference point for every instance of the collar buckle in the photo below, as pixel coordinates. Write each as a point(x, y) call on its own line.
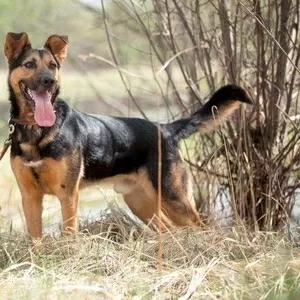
point(8, 141)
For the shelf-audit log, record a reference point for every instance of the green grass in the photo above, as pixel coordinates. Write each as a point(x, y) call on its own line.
point(115, 258)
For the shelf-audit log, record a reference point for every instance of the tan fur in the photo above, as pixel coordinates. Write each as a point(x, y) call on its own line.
point(13, 47)
point(141, 197)
point(58, 45)
point(52, 174)
point(51, 177)
point(219, 116)
point(142, 200)
point(30, 152)
point(26, 115)
point(49, 138)
point(26, 147)
point(32, 197)
point(183, 211)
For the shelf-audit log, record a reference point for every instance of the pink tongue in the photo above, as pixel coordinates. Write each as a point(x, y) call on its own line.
point(44, 114)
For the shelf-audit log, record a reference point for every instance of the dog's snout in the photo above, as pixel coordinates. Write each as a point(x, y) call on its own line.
point(47, 81)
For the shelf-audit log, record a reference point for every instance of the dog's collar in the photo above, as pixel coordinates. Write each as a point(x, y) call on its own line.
point(20, 121)
point(7, 142)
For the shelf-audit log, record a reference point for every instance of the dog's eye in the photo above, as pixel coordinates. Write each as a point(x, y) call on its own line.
point(52, 66)
point(29, 65)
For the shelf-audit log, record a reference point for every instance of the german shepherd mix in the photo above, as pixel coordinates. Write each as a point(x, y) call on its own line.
point(57, 150)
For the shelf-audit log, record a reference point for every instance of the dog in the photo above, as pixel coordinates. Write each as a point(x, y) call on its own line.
point(57, 150)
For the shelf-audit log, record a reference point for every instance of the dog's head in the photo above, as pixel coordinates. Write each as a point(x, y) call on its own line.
point(34, 77)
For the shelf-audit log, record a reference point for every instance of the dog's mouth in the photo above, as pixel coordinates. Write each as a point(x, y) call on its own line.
point(41, 104)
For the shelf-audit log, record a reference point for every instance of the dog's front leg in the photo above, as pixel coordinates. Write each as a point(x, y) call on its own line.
point(69, 207)
point(32, 197)
point(32, 206)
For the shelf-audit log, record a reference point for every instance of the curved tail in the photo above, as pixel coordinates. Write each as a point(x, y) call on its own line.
point(220, 106)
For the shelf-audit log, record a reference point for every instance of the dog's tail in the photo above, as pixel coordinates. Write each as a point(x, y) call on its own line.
point(220, 106)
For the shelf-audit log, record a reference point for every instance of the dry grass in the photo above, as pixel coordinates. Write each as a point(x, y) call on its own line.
point(115, 258)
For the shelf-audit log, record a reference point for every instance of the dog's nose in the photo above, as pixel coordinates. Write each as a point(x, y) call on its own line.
point(47, 81)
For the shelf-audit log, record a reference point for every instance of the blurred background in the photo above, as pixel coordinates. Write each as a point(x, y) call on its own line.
point(161, 59)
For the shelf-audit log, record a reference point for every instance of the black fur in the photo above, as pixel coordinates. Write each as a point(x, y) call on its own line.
point(185, 127)
point(84, 147)
point(116, 145)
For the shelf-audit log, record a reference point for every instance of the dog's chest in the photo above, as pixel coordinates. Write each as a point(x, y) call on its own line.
point(47, 173)
point(31, 154)
point(30, 144)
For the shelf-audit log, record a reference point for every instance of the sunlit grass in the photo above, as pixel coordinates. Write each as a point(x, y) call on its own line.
point(115, 258)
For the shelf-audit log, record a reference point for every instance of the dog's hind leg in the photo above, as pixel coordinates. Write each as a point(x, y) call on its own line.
point(146, 209)
point(141, 197)
point(177, 201)
point(178, 208)
point(181, 212)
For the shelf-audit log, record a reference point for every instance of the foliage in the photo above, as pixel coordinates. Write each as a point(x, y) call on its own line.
point(256, 46)
point(43, 18)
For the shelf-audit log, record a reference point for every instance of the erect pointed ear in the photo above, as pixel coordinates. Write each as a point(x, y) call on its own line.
point(15, 43)
point(58, 46)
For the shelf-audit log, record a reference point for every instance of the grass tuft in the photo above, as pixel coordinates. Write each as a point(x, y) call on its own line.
point(115, 257)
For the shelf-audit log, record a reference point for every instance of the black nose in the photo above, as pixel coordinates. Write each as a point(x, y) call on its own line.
point(47, 81)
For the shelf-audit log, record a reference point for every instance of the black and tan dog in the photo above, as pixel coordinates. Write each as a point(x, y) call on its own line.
point(56, 149)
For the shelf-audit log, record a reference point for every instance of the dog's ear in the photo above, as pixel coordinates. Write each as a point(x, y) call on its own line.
point(58, 46)
point(15, 43)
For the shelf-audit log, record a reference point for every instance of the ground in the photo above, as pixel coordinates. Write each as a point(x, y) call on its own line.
point(115, 258)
